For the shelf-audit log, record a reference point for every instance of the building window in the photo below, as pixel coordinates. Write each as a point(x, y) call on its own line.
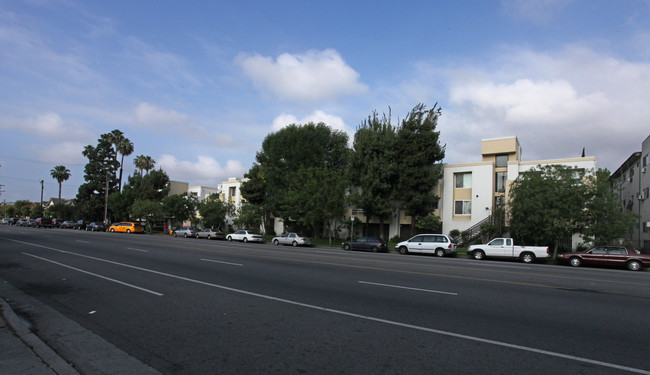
point(646, 159)
point(233, 191)
point(462, 207)
point(501, 161)
point(501, 181)
point(463, 180)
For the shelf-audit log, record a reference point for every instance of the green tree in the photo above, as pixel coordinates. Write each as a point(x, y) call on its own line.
point(100, 176)
point(605, 221)
point(249, 216)
point(375, 166)
point(214, 212)
point(60, 173)
point(123, 147)
point(547, 205)
point(144, 163)
point(284, 154)
point(23, 207)
point(180, 207)
point(420, 154)
point(10, 211)
point(37, 211)
point(149, 210)
point(153, 186)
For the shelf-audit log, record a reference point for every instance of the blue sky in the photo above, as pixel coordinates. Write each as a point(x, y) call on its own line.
point(197, 85)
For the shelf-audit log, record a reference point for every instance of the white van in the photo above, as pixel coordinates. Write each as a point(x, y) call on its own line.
point(438, 244)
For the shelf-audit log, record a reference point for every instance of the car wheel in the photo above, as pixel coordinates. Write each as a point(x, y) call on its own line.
point(478, 255)
point(185, 235)
point(634, 265)
point(245, 239)
point(174, 234)
point(295, 243)
point(128, 231)
point(575, 262)
point(276, 243)
point(209, 237)
point(440, 252)
point(373, 249)
point(112, 229)
point(403, 250)
point(346, 247)
point(229, 238)
point(527, 258)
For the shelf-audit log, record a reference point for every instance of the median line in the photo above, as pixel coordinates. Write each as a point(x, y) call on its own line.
point(94, 274)
point(409, 288)
point(133, 248)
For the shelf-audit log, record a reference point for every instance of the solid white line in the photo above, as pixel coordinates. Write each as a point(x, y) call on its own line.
point(217, 261)
point(132, 248)
point(96, 275)
point(409, 288)
point(364, 317)
point(83, 241)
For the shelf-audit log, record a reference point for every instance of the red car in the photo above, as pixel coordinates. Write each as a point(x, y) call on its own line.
point(617, 256)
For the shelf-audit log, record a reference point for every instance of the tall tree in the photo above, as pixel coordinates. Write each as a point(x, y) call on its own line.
point(180, 207)
point(376, 173)
point(144, 163)
point(284, 154)
point(605, 220)
point(547, 204)
point(60, 173)
point(214, 212)
point(420, 155)
point(123, 147)
point(99, 174)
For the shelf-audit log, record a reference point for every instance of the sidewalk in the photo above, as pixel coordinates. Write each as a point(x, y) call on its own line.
point(22, 352)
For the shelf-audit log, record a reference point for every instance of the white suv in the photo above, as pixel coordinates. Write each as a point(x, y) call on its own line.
point(438, 244)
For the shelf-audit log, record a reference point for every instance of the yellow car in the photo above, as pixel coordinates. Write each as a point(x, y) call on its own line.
point(126, 227)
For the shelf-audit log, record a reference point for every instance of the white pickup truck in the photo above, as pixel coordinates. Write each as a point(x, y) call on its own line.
point(505, 248)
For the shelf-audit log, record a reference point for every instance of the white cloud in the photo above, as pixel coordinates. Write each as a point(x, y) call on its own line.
point(66, 153)
point(205, 171)
point(314, 75)
point(47, 126)
point(154, 116)
point(555, 102)
point(334, 122)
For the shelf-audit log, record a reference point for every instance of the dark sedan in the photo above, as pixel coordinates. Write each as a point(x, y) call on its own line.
point(615, 256)
point(373, 244)
point(96, 227)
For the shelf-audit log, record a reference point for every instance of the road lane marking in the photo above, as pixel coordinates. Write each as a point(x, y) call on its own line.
point(409, 288)
point(94, 274)
point(83, 241)
point(133, 248)
point(359, 316)
point(218, 261)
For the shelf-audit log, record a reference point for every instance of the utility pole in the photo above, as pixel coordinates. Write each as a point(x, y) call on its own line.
point(42, 187)
point(106, 198)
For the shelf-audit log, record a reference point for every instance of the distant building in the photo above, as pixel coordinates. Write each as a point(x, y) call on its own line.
point(631, 181)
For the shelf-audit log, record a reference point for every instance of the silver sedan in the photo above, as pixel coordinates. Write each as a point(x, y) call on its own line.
point(293, 239)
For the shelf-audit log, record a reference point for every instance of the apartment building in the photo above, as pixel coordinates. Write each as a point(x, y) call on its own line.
point(472, 191)
point(631, 181)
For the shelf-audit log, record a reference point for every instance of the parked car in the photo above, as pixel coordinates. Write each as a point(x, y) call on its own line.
point(615, 256)
point(43, 222)
point(5, 221)
point(21, 222)
point(13, 220)
point(96, 227)
point(373, 244)
point(81, 224)
point(29, 223)
point(438, 244)
point(185, 232)
point(293, 239)
point(245, 236)
point(126, 227)
point(210, 234)
point(56, 223)
point(67, 224)
point(506, 248)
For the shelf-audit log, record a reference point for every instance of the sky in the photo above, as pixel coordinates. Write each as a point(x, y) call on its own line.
point(198, 85)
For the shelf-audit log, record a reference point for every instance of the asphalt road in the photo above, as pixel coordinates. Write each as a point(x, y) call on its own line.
point(188, 306)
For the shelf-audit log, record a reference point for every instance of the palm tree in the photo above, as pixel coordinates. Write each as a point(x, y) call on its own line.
point(124, 147)
point(60, 173)
point(144, 163)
